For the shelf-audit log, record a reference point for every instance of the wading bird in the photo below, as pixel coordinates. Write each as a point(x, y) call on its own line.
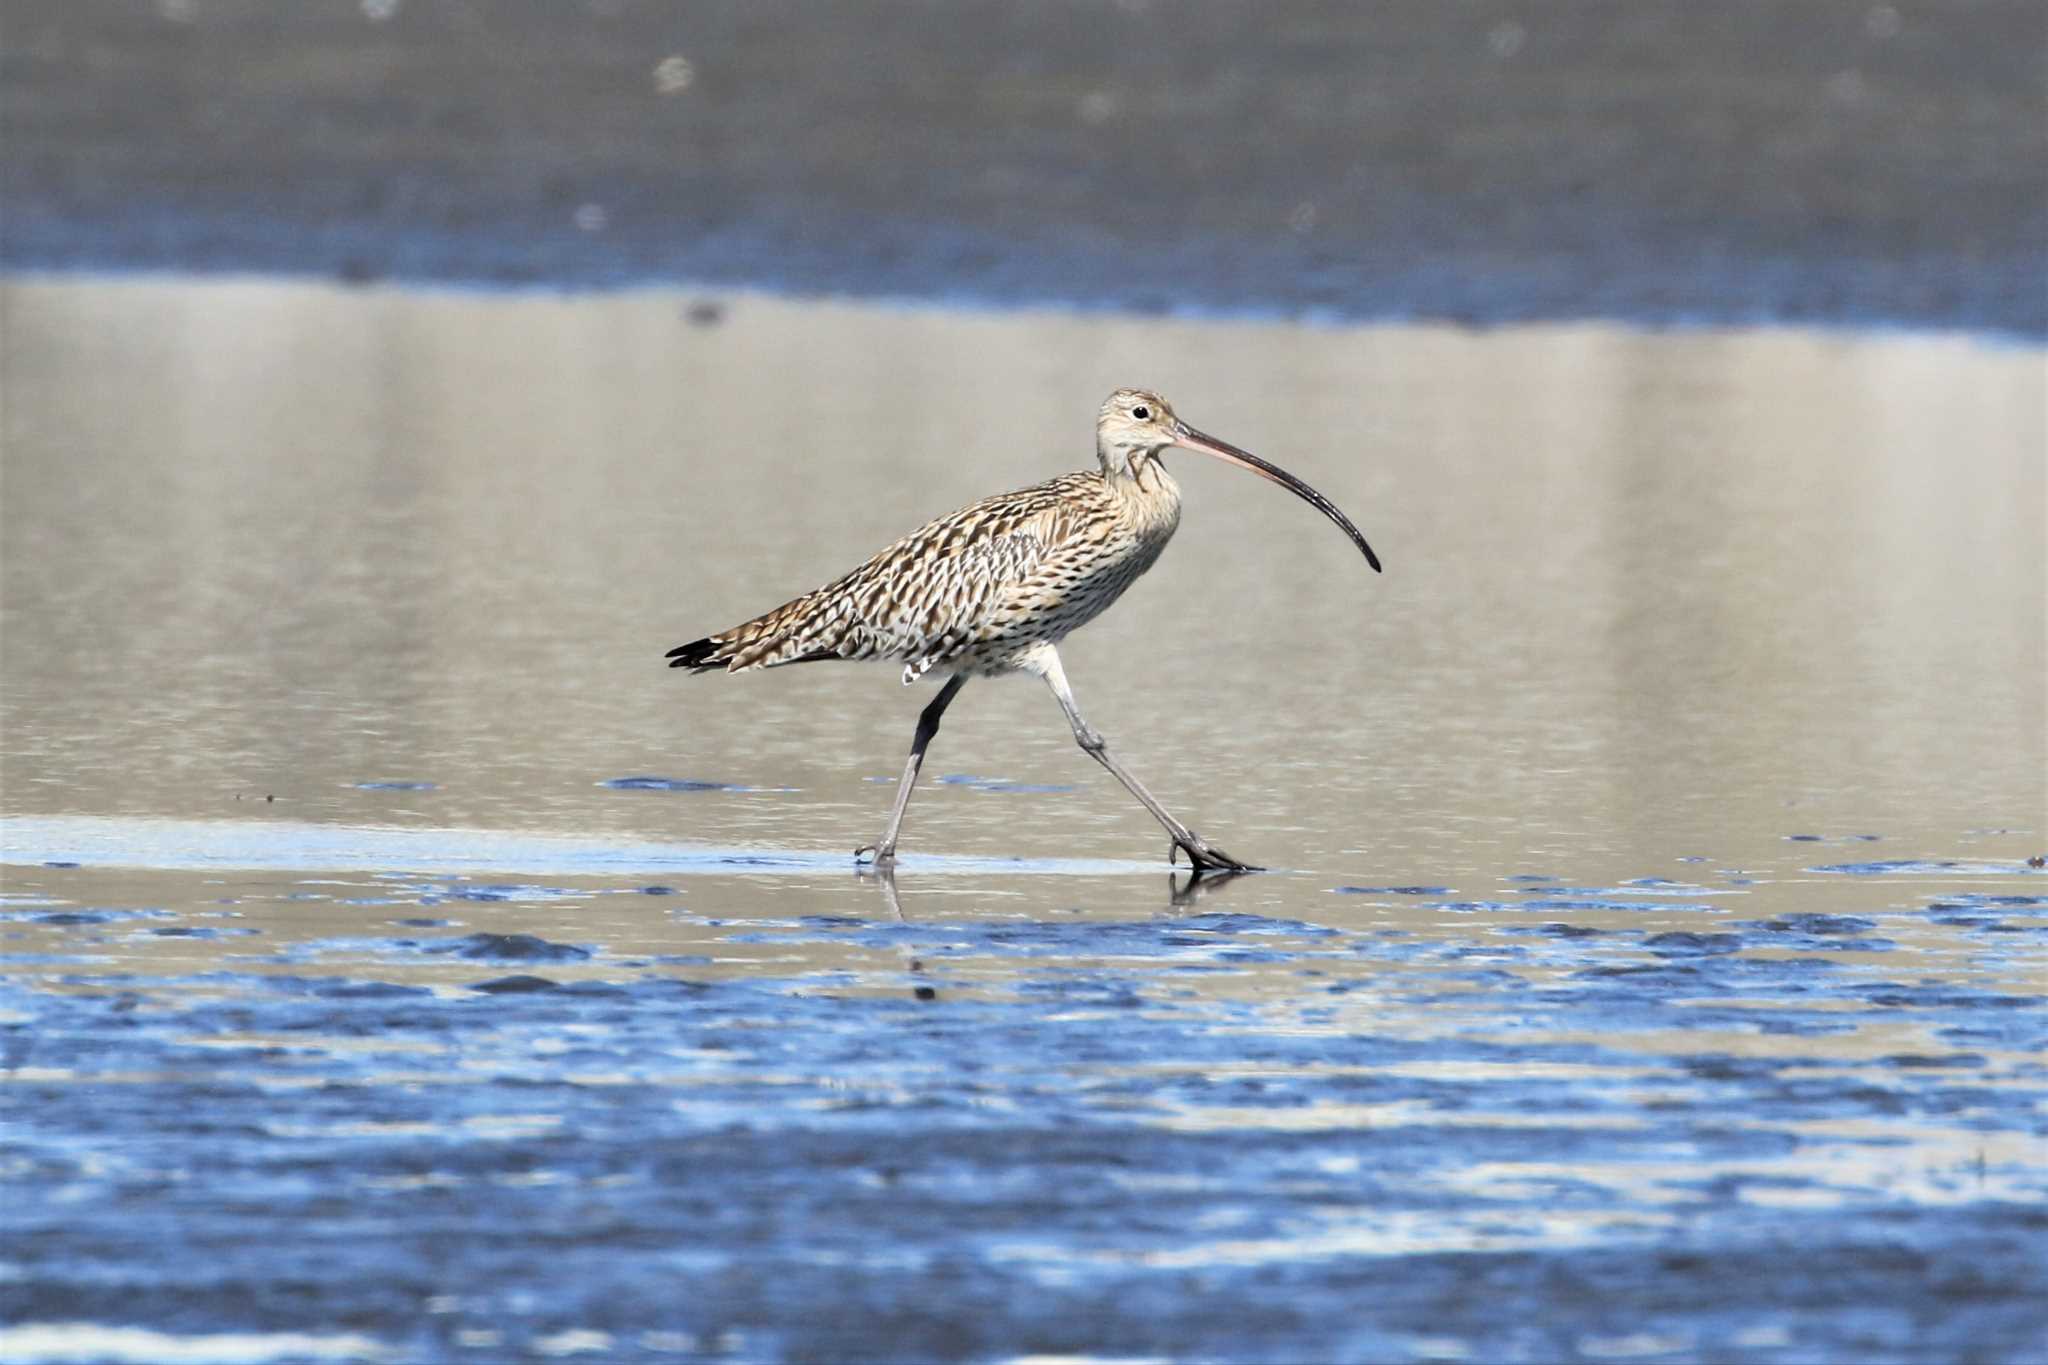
point(996, 586)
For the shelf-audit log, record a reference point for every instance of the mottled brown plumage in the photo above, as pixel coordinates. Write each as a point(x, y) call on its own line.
point(994, 587)
point(974, 591)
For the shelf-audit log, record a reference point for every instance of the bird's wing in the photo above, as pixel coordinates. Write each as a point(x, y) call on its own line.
point(1002, 560)
point(965, 578)
point(954, 595)
point(943, 587)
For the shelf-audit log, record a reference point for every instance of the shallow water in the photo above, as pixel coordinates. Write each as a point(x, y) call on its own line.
point(396, 960)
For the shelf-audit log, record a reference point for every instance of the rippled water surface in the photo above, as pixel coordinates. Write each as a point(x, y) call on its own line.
point(396, 961)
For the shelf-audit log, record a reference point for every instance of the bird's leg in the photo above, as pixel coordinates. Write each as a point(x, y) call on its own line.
point(927, 726)
point(1201, 853)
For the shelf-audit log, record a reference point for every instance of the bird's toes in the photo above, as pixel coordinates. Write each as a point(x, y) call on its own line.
point(1204, 855)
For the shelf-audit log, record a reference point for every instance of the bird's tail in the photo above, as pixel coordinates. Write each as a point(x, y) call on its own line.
point(791, 634)
point(700, 656)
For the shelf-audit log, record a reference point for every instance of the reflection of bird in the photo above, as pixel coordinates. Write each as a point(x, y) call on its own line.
point(1181, 894)
point(996, 586)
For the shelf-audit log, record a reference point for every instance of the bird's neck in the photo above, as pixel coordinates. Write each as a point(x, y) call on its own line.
point(1144, 480)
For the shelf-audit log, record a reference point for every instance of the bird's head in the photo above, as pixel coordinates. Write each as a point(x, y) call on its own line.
point(1136, 425)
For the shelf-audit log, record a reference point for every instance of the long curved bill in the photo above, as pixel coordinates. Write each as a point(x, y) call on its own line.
point(1190, 439)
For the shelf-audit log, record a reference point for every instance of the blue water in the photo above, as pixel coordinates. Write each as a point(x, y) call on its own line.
point(923, 262)
point(794, 1113)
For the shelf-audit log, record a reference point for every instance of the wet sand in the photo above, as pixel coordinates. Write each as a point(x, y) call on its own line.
point(396, 961)
point(1829, 161)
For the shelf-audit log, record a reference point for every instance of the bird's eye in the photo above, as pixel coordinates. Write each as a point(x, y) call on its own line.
point(1141, 412)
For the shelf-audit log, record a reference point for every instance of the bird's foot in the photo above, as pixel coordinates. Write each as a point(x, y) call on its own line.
point(872, 855)
point(1204, 856)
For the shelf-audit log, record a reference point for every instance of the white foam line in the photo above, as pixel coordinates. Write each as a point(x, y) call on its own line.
point(281, 845)
point(61, 1342)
